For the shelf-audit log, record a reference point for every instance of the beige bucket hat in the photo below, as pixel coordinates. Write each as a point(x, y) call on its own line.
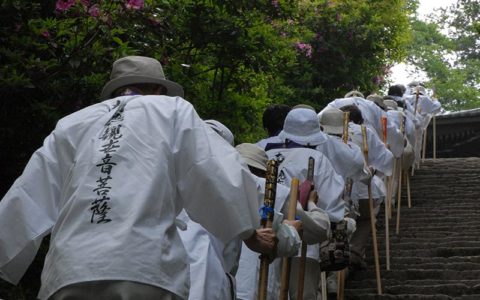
point(138, 69)
point(253, 155)
point(331, 120)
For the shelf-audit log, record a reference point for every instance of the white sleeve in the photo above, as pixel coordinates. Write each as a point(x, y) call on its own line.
point(329, 186)
point(394, 139)
point(316, 224)
point(29, 210)
point(288, 239)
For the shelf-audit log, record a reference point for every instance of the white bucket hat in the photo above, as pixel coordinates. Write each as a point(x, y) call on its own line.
point(301, 126)
point(138, 69)
point(331, 120)
point(222, 130)
point(253, 155)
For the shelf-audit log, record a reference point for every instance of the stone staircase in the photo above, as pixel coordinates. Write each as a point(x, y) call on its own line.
point(437, 253)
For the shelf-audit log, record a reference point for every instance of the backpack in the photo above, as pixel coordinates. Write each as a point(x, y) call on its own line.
point(335, 252)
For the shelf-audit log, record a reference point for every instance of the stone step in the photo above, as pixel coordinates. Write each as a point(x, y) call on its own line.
point(437, 252)
point(441, 260)
point(374, 296)
point(427, 245)
point(395, 265)
point(451, 289)
point(366, 283)
point(419, 274)
point(433, 252)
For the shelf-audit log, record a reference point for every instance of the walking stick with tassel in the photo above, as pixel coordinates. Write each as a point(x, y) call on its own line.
point(307, 186)
point(286, 261)
point(372, 216)
point(267, 221)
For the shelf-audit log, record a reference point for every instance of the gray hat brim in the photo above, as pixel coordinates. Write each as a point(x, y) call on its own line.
point(173, 88)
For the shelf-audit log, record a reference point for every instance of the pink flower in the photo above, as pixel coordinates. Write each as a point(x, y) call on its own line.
point(377, 80)
point(45, 34)
point(135, 4)
point(305, 48)
point(275, 3)
point(62, 5)
point(94, 11)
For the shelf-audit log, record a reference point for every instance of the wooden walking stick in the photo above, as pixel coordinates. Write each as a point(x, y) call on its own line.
point(407, 179)
point(400, 175)
point(399, 200)
point(286, 261)
point(434, 125)
point(372, 217)
point(389, 200)
point(348, 190)
point(424, 145)
point(341, 285)
point(266, 222)
point(415, 115)
point(323, 281)
point(303, 255)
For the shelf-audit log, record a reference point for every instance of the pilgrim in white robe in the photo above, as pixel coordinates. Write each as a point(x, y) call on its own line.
point(108, 184)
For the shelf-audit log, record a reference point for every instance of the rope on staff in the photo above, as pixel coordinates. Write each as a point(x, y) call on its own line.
point(372, 217)
point(267, 221)
point(286, 261)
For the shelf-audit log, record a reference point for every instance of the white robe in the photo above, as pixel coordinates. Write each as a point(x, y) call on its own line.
point(108, 184)
point(210, 261)
point(346, 159)
point(328, 184)
point(379, 157)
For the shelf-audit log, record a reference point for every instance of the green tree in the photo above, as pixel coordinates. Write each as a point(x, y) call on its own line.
point(446, 47)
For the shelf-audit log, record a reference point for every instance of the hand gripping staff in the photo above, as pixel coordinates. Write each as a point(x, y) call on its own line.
point(306, 191)
point(389, 200)
point(266, 222)
point(286, 261)
point(372, 216)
